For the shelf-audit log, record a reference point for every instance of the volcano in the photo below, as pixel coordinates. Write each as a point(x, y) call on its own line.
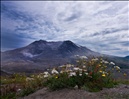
point(40, 55)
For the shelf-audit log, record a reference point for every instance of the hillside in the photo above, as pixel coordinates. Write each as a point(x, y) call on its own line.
point(40, 55)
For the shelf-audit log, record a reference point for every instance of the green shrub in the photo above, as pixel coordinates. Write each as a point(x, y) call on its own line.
point(91, 75)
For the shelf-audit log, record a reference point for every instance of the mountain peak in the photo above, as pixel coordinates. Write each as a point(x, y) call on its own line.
point(40, 41)
point(68, 47)
point(69, 43)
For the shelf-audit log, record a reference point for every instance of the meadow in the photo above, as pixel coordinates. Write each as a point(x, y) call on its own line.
point(91, 75)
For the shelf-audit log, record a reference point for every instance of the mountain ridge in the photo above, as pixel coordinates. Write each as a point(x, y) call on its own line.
point(42, 54)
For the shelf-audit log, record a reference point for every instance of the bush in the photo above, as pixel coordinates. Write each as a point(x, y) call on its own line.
point(91, 75)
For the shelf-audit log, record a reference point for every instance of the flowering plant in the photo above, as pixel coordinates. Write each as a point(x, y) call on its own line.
point(90, 74)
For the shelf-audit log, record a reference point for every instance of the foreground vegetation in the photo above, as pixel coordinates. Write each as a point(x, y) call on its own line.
point(91, 75)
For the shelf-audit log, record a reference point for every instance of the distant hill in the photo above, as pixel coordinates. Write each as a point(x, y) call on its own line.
point(40, 55)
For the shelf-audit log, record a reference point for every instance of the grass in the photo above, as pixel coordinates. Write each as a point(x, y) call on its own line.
point(116, 96)
point(19, 85)
point(123, 81)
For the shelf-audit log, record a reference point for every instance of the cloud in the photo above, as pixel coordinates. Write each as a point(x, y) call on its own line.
point(73, 16)
point(9, 41)
point(99, 25)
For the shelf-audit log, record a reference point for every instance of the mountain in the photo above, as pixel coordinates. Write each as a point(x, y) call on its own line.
point(40, 55)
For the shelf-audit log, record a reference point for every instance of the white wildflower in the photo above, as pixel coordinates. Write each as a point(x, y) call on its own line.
point(18, 90)
point(54, 71)
point(84, 66)
point(61, 71)
point(95, 59)
point(72, 74)
point(62, 66)
point(83, 57)
point(69, 65)
point(84, 70)
point(117, 67)
point(69, 70)
point(75, 68)
point(106, 62)
point(76, 87)
point(40, 76)
point(86, 73)
point(29, 79)
point(80, 69)
point(103, 72)
point(45, 76)
point(80, 74)
point(112, 63)
point(46, 73)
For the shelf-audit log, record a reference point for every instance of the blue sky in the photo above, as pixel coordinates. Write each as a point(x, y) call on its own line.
point(101, 26)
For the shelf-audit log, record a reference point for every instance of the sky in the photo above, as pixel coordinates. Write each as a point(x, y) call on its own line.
point(101, 26)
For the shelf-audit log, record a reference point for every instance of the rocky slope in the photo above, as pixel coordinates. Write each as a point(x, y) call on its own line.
point(40, 55)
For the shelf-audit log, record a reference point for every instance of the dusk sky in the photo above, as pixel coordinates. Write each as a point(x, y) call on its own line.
point(101, 26)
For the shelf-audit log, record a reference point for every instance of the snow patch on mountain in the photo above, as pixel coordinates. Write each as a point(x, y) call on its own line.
point(27, 54)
